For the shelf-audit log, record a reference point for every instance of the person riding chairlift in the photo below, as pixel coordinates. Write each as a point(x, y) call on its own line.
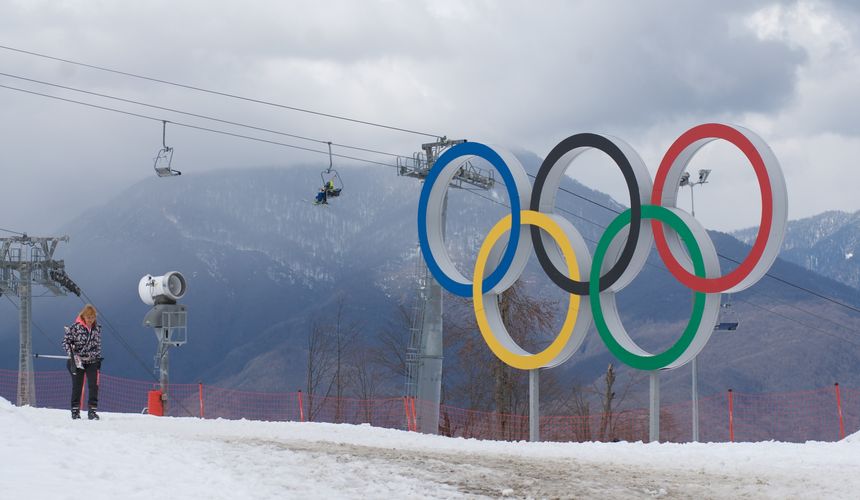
point(321, 198)
point(327, 190)
point(330, 190)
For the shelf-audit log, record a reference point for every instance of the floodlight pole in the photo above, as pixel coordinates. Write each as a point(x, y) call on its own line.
point(685, 181)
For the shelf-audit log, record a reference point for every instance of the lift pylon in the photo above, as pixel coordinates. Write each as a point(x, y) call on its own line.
point(424, 354)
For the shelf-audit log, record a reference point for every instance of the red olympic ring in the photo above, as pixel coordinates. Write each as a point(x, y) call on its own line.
point(710, 131)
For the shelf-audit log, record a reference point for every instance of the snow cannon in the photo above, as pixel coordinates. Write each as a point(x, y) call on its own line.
point(169, 322)
point(166, 289)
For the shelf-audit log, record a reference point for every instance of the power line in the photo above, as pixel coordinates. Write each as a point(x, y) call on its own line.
point(197, 127)
point(196, 115)
point(10, 231)
point(222, 94)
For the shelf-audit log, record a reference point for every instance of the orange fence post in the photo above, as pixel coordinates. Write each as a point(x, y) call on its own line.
point(301, 408)
point(839, 410)
point(414, 416)
point(83, 387)
point(406, 411)
point(200, 386)
point(731, 418)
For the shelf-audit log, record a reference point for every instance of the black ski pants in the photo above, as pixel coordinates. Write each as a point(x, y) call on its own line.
point(91, 370)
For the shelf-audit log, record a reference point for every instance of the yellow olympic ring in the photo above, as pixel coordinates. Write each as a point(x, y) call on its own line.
point(523, 359)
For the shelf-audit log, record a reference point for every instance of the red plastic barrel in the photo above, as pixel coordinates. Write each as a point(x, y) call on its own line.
point(154, 404)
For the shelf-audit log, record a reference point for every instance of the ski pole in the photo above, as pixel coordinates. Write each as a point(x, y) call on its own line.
point(51, 356)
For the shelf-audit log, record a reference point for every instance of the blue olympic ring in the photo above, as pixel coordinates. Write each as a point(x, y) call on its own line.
point(487, 153)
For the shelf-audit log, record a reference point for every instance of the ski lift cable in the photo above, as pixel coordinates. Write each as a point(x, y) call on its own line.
point(197, 127)
point(197, 115)
point(257, 139)
point(13, 232)
point(805, 325)
point(846, 327)
point(222, 94)
point(769, 275)
point(32, 322)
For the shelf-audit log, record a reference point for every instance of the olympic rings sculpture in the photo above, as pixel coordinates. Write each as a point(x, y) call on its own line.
point(620, 254)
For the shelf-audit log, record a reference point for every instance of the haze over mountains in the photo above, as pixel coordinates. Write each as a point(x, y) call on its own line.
point(264, 264)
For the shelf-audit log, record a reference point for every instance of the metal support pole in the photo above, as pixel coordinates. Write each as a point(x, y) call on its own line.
point(26, 380)
point(429, 390)
point(164, 366)
point(654, 420)
point(695, 363)
point(534, 405)
point(695, 400)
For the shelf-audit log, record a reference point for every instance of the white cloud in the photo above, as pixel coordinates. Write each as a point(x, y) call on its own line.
point(520, 74)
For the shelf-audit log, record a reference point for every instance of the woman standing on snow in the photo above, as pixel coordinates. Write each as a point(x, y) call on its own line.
point(83, 343)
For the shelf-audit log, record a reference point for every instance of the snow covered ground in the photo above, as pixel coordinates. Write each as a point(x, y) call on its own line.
point(44, 454)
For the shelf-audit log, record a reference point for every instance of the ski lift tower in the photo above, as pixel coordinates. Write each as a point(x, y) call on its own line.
point(18, 273)
point(424, 354)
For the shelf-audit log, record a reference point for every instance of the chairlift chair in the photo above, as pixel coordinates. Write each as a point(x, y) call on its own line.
point(330, 175)
point(728, 317)
point(164, 158)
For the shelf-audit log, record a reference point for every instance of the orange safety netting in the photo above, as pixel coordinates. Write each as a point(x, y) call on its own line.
point(826, 414)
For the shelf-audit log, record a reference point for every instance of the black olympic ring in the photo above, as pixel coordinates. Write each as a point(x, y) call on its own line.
point(600, 143)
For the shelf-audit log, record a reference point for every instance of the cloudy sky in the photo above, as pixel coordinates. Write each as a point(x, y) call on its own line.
point(518, 74)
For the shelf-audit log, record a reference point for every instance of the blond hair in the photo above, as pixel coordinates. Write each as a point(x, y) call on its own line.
point(89, 308)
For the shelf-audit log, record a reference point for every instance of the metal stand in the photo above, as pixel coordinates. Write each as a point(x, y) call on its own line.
point(534, 405)
point(170, 325)
point(695, 399)
point(654, 420)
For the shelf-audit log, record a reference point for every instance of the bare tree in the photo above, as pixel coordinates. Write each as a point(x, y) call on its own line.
point(367, 376)
point(343, 336)
point(482, 381)
point(612, 402)
point(608, 397)
point(393, 342)
point(319, 365)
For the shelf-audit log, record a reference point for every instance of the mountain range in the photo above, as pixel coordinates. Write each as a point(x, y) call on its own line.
point(264, 265)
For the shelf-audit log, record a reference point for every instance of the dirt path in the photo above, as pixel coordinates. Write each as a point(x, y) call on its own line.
point(502, 475)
